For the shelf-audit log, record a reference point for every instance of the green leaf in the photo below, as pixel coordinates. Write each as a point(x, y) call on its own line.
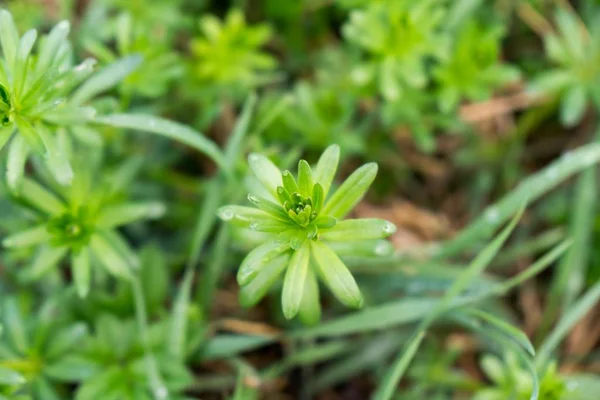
point(80, 264)
point(254, 291)
point(106, 78)
point(266, 172)
point(336, 276)
point(50, 47)
point(310, 307)
point(305, 179)
point(396, 372)
point(8, 377)
point(18, 151)
point(6, 133)
point(359, 229)
point(69, 115)
point(45, 260)
point(351, 192)
point(15, 326)
point(112, 260)
point(326, 167)
point(234, 144)
point(40, 198)
point(570, 317)
point(244, 216)
point(21, 64)
point(294, 281)
point(56, 155)
point(72, 368)
point(273, 209)
point(573, 106)
point(170, 129)
point(507, 329)
point(65, 340)
point(27, 238)
point(9, 37)
point(257, 259)
point(123, 214)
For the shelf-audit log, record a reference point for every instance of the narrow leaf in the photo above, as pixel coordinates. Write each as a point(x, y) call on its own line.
point(106, 78)
point(169, 129)
point(326, 167)
point(359, 229)
point(351, 192)
point(336, 276)
point(294, 281)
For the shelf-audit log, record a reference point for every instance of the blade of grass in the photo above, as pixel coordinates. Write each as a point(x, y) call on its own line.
point(169, 129)
point(204, 225)
point(530, 189)
point(570, 317)
point(386, 388)
point(570, 275)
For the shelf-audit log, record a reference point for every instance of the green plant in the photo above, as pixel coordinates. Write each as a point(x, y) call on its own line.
point(302, 220)
point(80, 222)
point(116, 356)
point(228, 56)
point(398, 38)
point(160, 66)
point(575, 51)
point(472, 70)
point(41, 347)
point(41, 98)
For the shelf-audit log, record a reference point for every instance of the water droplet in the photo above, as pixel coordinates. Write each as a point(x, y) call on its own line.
point(552, 173)
point(492, 215)
point(226, 214)
point(253, 199)
point(433, 250)
point(254, 226)
point(389, 228)
point(161, 392)
point(567, 157)
point(383, 248)
point(589, 159)
point(572, 385)
point(156, 210)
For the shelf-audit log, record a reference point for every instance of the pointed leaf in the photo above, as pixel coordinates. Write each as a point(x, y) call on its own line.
point(326, 167)
point(80, 265)
point(336, 276)
point(254, 291)
point(359, 229)
point(127, 213)
point(293, 284)
point(266, 172)
point(27, 238)
point(56, 156)
point(51, 45)
point(18, 151)
point(351, 192)
point(257, 259)
point(9, 37)
point(44, 261)
point(310, 307)
point(305, 179)
point(40, 198)
point(106, 78)
point(114, 262)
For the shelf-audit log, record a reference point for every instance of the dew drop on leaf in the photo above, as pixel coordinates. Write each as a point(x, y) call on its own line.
point(226, 214)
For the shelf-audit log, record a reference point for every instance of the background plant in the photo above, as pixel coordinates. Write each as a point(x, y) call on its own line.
point(480, 115)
